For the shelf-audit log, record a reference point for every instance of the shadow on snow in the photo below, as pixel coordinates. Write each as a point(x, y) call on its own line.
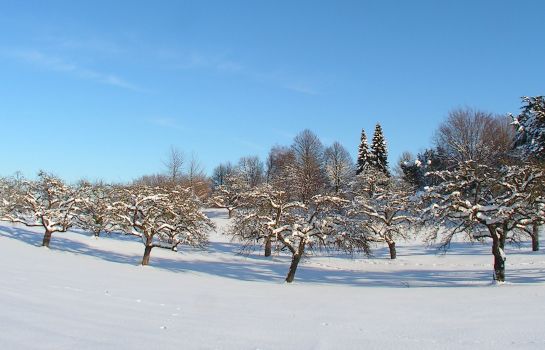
point(254, 267)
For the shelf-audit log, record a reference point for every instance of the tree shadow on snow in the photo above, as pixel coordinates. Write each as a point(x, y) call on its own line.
point(256, 268)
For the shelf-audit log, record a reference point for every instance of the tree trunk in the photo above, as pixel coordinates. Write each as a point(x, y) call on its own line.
point(293, 267)
point(47, 238)
point(499, 256)
point(535, 238)
point(268, 247)
point(296, 258)
point(393, 252)
point(147, 253)
point(230, 212)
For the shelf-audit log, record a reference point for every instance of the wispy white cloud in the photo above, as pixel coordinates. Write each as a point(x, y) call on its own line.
point(59, 64)
point(169, 123)
point(222, 63)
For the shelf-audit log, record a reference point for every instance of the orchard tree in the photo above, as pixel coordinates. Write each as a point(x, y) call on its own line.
point(45, 202)
point(484, 202)
point(96, 208)
point(229, 195)
point(269, 216)
point(383, 206)
point(161, 217)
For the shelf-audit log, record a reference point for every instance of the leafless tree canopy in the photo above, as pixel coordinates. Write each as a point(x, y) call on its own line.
point(469, 134)
point(309, 164)
point(174, 164)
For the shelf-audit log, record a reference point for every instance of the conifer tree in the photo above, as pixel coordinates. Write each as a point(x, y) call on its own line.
point(530, 123)
point(379, 152)
point(363, 154)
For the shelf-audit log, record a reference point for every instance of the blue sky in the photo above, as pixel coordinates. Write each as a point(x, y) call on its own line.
point(102, 89)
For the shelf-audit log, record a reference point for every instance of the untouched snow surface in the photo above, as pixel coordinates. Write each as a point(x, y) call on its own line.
point(87, 293)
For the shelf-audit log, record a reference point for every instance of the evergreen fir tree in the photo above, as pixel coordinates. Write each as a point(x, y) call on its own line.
point(530, 139)
point(363, 153)
point(379, 152)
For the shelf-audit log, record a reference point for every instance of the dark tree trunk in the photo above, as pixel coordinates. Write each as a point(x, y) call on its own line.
point(147, 253)
point(268, 247)
point(296, 258)
point(535, 238)
point(47, 238)
point(393, 252)
point(499, 256)
point(293, 267)
point(230, 212)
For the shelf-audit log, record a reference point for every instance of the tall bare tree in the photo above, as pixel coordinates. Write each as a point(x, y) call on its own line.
point(309, 165)
point(174, 164)
point(339, 167)
point(472, 135)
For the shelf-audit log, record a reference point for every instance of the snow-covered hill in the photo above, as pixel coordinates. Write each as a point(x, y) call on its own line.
point(87, 293)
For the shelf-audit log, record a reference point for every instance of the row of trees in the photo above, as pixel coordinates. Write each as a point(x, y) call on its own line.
point(165, 217)
point(483, 178)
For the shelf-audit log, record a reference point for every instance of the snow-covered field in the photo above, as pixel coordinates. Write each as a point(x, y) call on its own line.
point(87, 293)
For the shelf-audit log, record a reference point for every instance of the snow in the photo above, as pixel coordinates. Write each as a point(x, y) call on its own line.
point(88, 293)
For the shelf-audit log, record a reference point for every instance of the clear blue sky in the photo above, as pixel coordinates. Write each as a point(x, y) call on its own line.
point(101, 89)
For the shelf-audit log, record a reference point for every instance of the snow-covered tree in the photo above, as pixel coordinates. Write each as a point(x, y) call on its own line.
point(379, 151)
point(484, 202)
point(530, 123)
point(230, 195)
point(338, 166)
point(96, 208)
point(364, 156)
point(270, 217)
point(161, 217)
point(384, 207)
point(45, 202)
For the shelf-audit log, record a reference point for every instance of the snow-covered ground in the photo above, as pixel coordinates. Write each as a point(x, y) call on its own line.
point(87, 293)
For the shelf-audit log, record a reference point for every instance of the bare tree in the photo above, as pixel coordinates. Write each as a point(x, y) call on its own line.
point(473, 135)
point(161, 217)
point(251, 169)
point(339, 167)
point(196, 178)
point(281, 172)
point(46, 202)
point(96, 208)
point(229, 195)
point(485, 202)
point(269, 216)
point(309, 165)
point(383, 206)
point(174, 164)
point(220, 174)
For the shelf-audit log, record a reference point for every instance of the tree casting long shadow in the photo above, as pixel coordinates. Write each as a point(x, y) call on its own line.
point(259, 269)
